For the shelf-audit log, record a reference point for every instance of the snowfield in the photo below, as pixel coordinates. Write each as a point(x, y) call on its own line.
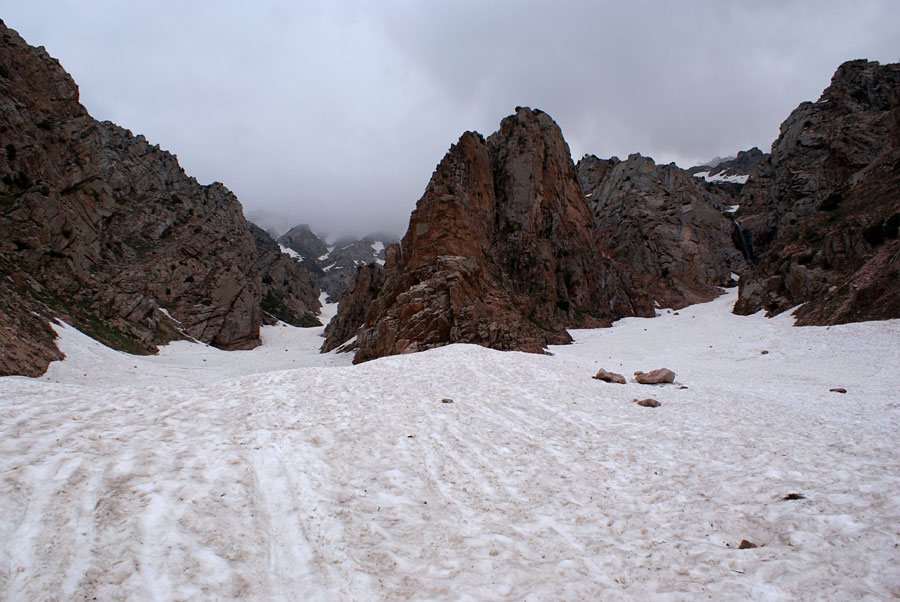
point(284, 474)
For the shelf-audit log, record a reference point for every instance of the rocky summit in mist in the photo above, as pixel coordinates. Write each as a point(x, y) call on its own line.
point(510, 245)
point(331, 266)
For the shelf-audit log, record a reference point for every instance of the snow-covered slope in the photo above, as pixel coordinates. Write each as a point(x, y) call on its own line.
point(283, 474)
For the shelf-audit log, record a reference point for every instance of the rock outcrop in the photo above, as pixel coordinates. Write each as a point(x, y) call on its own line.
point(288, 292)
point(823, 212)
point(670, 233)
point(499, 251)
point(107, 232)
point(353, 306)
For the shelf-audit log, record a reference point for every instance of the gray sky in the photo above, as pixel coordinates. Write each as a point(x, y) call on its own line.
point(336, 113)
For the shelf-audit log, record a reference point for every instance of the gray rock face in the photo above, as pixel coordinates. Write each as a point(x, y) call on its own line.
point(333, 266)
point(353, 307)
point(288, 292)
point(345, 257)
point(304, 242)
point(669, 232)
point(822, 213)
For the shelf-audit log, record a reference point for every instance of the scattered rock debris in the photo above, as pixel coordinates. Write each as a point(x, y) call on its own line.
point(794, 496)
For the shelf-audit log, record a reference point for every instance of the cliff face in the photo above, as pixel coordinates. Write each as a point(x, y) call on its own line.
point(822, 213)
point(106, 231)
point(288, 291)
point(499, 251)
point(670, 232)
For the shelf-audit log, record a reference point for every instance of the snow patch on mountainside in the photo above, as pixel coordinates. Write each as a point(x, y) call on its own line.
point(718, 177)
point(288, 251)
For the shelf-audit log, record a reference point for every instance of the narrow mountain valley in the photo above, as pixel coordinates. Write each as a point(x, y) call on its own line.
point(610, 379)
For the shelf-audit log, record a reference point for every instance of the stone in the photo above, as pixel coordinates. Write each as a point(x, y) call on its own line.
point(746, 545)
point(288, 291)
point(647, 403)
point(609, 377)
point(655, 377)
point(838, 390)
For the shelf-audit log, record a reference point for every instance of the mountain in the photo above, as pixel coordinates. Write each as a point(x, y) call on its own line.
point(671, 234)
point(288, 291)
point(499, 252)
point(822, 211)
point(332, 266)
point(105, 231)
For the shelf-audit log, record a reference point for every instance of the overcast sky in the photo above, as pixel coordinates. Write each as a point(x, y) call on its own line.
point(336, 113)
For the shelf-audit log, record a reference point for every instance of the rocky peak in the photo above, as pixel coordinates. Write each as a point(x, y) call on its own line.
point(304, 242)
point(499, 250)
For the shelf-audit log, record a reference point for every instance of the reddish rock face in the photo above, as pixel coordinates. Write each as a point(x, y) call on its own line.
point(499, 251)
point(824, 210)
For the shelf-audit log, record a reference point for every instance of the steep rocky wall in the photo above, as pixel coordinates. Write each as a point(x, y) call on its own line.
point(822, 213)
point(288, 291)
point(499, 251)
point(107, 232)
point(668, 231)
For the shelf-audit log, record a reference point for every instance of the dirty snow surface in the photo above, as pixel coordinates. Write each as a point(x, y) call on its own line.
point(283, 474)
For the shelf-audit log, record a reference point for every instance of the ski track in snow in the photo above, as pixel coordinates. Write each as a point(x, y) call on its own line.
point(284, 474)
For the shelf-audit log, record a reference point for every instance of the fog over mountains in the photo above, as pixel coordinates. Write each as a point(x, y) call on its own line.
point(335, 114)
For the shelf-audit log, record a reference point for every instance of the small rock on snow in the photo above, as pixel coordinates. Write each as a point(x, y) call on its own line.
point(648, 403)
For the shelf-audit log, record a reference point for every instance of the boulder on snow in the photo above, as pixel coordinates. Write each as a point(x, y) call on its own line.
point(647, 403)
point(655, 377)
point(609, 377)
